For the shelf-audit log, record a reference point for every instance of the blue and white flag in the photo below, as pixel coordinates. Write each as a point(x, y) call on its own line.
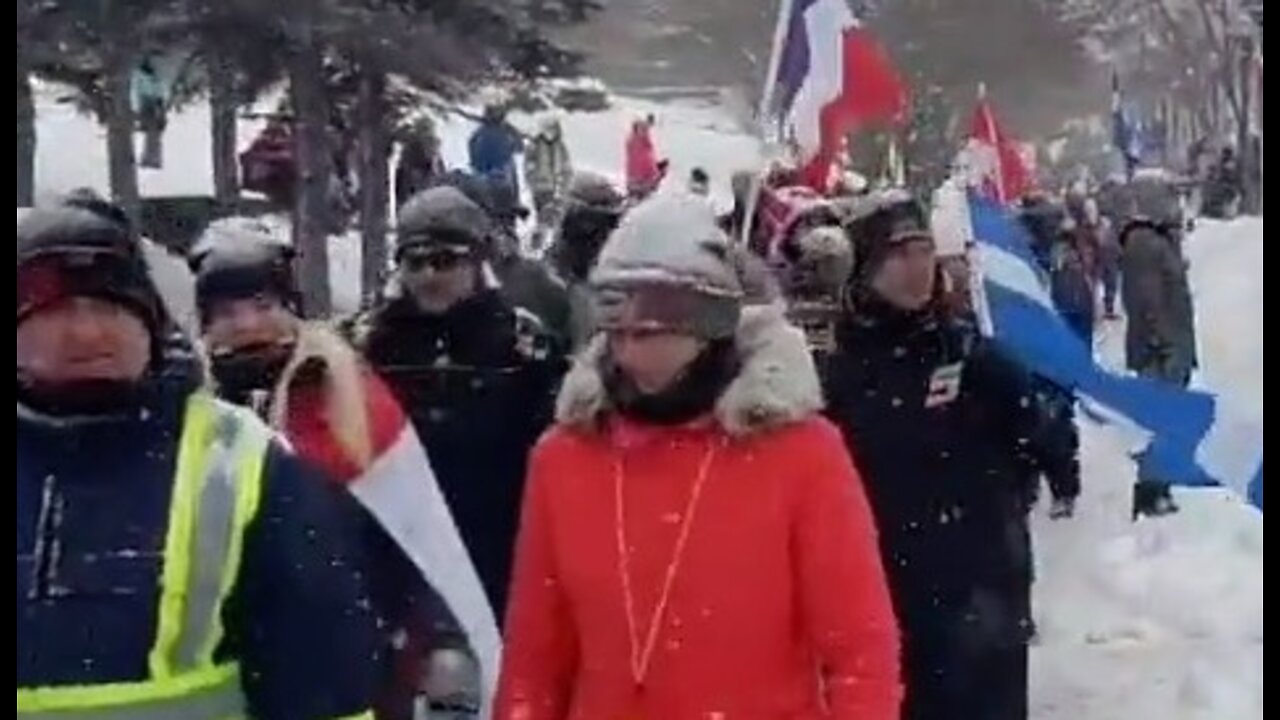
point(1192, 442)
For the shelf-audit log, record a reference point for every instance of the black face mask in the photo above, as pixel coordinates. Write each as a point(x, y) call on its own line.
point(692, 395)
point(246, 370)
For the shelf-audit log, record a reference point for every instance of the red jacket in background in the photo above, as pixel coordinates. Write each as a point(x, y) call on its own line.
point(643, 170)
point(779, 608)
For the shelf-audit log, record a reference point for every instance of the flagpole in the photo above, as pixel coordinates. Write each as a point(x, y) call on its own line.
point(763, 113)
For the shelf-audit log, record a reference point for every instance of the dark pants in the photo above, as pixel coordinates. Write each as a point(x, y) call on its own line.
point(1150, 491)
point(972, 665)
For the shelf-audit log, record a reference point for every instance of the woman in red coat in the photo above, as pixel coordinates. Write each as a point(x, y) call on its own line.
point(695, 540)
point(644, 170)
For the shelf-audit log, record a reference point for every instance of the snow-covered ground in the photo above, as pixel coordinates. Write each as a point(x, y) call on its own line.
point(1162, 619)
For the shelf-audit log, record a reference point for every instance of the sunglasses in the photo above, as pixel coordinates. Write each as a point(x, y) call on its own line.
point(439, 260)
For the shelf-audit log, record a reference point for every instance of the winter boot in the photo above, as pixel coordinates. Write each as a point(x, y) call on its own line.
point(1152, 499)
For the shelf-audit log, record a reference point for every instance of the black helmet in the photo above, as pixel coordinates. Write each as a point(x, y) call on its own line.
point(238, 258)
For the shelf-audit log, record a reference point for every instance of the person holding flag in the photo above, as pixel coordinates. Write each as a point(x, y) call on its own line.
point(951, 443)
point(341, 418)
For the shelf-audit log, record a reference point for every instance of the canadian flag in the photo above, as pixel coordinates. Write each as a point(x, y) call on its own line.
point(994, 157)
point(830, 76)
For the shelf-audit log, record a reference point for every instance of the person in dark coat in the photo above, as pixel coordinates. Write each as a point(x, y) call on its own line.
point(474, 373)
point(950, 440)
point(592, 210)
point(110, 442)
point(525, 282)
point(419, 165)
point(1066, 256)
point(1160, 340)
point(1223, 187)
point(337, 414)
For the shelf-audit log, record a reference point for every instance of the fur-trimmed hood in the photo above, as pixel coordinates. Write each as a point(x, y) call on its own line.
point(776, 386)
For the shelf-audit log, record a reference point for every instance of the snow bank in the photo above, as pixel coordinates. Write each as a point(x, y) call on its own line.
point(1163, 618)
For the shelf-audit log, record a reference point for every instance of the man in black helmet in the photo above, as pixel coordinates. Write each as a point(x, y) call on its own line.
point(592, 210)
point(173, 560)
point(950, 441)
point(474, 373)
point(525, 282)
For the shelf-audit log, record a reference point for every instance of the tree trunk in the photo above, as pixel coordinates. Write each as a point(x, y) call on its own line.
point(121, 159)
point(1250, 162)
point(374, 151)
point(26, 138)
point(222, 128)
point(310, 236)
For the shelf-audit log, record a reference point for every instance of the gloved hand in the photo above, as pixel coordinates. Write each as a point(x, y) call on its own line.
point(452, 685)
point(1061, 508)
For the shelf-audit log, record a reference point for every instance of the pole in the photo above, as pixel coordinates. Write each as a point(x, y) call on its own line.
point(764, 114)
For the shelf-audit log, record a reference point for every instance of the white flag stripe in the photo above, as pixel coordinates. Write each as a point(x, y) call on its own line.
point(1009, 271)
point(401, 491)
point(825, 22)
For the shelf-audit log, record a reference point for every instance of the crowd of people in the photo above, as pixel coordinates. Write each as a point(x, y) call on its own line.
point(643, 469)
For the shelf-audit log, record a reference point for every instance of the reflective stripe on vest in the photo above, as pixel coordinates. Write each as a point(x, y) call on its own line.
point(216, 490)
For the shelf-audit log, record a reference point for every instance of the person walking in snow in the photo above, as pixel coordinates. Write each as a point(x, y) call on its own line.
point(523, 281)
point(420, 164)
point(493, 147)
point(592, 211)
point(689, 470)
point(151, 105)
point(950, 440)
point(173, 558)
point(338, 415)
point(1160, 338)
point(644, 171)
point(1067, 256)
point(475, 374)
point(549, 174)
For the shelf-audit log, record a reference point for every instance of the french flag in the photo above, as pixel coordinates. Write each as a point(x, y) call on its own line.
point(831, 76)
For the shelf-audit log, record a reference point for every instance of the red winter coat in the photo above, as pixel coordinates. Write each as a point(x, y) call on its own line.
point(779, 608)
point(643, 170)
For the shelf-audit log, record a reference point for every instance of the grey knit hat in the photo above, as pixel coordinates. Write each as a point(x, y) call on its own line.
point(669, 266)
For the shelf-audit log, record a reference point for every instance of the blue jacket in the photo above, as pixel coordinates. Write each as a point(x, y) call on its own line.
point(92, 514)
point(492, 148)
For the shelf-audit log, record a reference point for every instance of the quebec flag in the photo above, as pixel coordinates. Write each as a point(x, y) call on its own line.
point(1191, 441)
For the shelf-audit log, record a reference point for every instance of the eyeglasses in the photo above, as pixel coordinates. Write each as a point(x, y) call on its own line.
point(438, 260)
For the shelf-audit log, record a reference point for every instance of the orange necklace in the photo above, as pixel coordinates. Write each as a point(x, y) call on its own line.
point(642, 655)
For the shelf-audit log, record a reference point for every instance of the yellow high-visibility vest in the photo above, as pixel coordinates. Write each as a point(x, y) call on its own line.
point(216, 491)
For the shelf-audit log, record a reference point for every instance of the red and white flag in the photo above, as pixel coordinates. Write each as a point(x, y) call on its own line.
point(994, 157)
point(400, 489)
